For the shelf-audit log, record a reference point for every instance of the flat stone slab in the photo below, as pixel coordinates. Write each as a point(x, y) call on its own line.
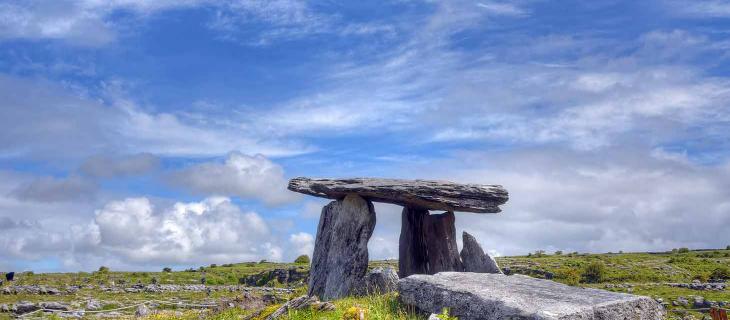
point(496, 296)
point(426, 194)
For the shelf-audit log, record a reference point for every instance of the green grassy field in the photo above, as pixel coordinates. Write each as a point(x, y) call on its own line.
point(638, 273)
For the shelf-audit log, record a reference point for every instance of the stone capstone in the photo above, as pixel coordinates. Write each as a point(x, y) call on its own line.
point(472, 296)
point(340, 258)
point(474, 258)
point(426, 194)
point(427, 243)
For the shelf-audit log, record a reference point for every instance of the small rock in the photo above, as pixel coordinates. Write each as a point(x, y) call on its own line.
point(25, 307)
point(142, 311)
point(93, 305)
point(54, 306)
point(433, 316)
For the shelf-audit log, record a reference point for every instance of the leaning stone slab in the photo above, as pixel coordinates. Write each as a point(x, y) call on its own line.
point(426, 194)
point(340, 259)
point(471, 296)
point(474, 258)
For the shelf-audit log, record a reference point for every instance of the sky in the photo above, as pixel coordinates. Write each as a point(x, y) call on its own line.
point(146, 134)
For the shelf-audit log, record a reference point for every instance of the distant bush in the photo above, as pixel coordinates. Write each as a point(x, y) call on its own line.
point(683, 250)
point(303, 259)
point(681, 259)
point(720, 273)
point(213, 265)
point(166, 269)
point(727, 248)
point(263, 261)
point(594, 272)
point(558, 253)
point(103, 269)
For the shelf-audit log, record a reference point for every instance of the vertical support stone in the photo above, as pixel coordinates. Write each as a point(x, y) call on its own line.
point(474, 258)
point(340, 259)
point(412, 251)
point(427, 243)
point(440, 233)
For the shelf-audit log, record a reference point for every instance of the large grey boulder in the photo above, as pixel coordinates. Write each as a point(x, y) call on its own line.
point(474, 258)
point(340, 258)
point(426, 194)
point(472, 296)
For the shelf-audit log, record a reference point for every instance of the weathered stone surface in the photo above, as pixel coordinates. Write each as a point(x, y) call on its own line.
point(340, 257)
point(380, 280)
point(495, 296)
point(142, 311)
point(426, 194)
point(474, 258)
point(443, 252)
point(427, 243)
point(412, 251)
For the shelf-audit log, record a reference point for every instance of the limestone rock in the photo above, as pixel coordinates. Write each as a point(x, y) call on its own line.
point(381, 280)
point(142, 311)
point(426, 194)
point(427, 243)
point(340, 257)
point(474, 258)
point(472, 296)
point(54, 306)
point(25, 307)
point(443, 252)
point(412, 251)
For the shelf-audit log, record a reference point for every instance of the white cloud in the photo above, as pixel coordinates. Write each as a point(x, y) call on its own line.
point(302, 242)
point(700, 8)
point(213, 230)
point(502, 8)
point(241, 176)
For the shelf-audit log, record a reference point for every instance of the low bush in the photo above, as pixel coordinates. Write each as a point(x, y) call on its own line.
point(720, 273)
point(594, 272)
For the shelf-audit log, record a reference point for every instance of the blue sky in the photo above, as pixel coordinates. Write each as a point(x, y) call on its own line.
point(142, 134)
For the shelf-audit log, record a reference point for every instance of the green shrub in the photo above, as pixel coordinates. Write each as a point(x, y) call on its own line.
point(720, 273)
point(683, 250)
point(303, 259)
point(702, 277)
point(727, 248)
point(558, 253)
point(166, 269)
point(103, 269)
point(568, 276)
point(594, 272)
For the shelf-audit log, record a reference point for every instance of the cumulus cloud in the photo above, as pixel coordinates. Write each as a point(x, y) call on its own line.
point(302, 242)
point(213, 230)
point(241, 176)
point(104, 166)
point(51, 189)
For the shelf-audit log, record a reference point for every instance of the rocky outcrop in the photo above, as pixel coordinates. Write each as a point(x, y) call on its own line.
point(280, 275)
point(426, 194)
point(495, 296)
point(474, 258)
point(427, 243)
point(340, 258)
point(299, 303)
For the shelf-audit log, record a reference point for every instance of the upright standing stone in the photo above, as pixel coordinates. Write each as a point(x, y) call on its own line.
point(340, 259)
point(427, 243)
point(412, 251)
point(474, 258)
point(440, 233)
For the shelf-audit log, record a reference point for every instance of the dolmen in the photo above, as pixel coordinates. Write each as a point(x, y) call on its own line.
point(427, 242)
